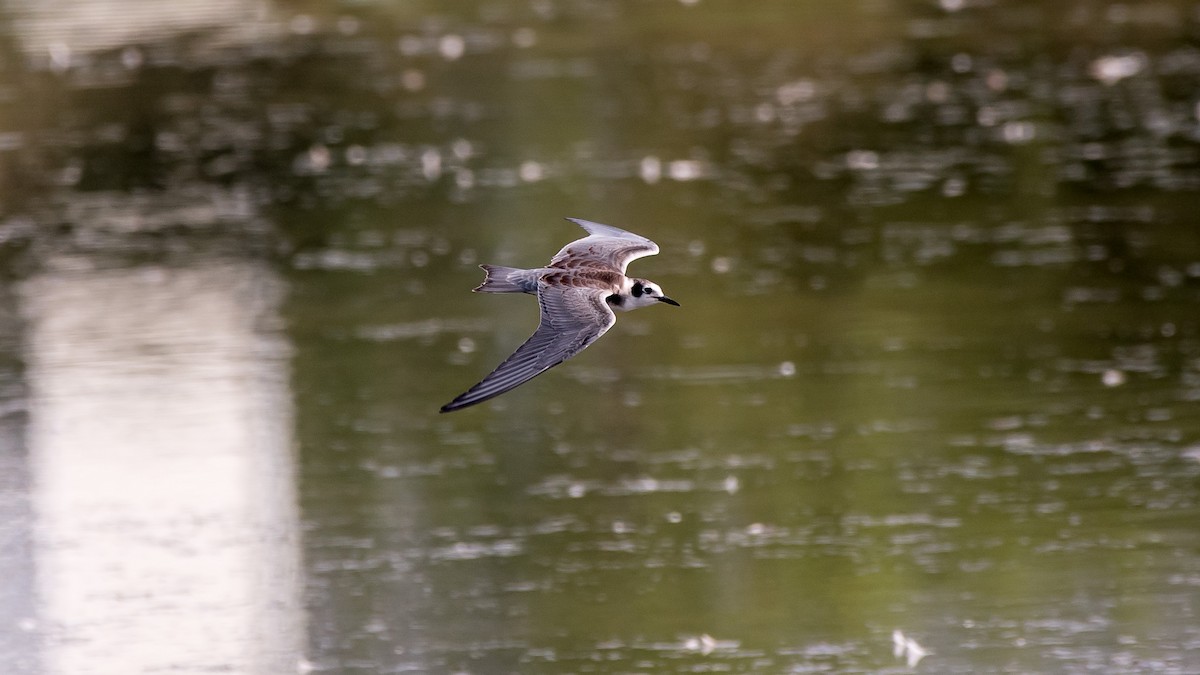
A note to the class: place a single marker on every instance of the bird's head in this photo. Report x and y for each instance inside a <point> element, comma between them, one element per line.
<point>643,293</point>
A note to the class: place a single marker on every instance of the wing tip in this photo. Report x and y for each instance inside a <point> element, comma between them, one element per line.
<point>592,227</point>
<point>463,400</point>
<point>455,405</point>
<point>580,222</point>
<point>602,230</point>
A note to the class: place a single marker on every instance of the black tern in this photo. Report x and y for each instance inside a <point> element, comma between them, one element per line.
<point>577,293</point>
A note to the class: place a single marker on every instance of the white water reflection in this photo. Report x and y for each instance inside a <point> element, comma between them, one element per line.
<point>162,470</point>
<point>18,653</point>
<point>67,31</point>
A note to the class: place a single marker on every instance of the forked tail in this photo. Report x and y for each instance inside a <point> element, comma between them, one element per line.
<point>508,280</point>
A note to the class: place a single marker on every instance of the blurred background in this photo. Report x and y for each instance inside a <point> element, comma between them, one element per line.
<point>932,390</point>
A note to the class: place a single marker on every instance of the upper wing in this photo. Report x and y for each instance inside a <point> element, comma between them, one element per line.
<point>605,245</point>
<point>572,319</point>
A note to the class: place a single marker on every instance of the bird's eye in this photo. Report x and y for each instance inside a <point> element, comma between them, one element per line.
<point>649,291</point>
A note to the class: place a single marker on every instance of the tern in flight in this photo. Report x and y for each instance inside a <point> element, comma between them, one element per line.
<point>577,293</point>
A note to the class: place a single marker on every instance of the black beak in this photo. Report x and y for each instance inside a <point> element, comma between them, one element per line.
<point>663,298</point>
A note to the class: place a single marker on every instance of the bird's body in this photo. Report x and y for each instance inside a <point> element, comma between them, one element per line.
<point>577,293</point>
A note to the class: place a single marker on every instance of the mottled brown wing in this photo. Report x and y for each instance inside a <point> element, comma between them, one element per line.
<point>605,246</point>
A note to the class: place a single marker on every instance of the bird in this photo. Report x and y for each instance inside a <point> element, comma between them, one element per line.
<point>577,293</point>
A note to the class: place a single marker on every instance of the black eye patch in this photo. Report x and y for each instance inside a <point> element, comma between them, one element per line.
<point>636,291</point>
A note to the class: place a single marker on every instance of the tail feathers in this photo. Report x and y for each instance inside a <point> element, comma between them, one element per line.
<point>507,280</point>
